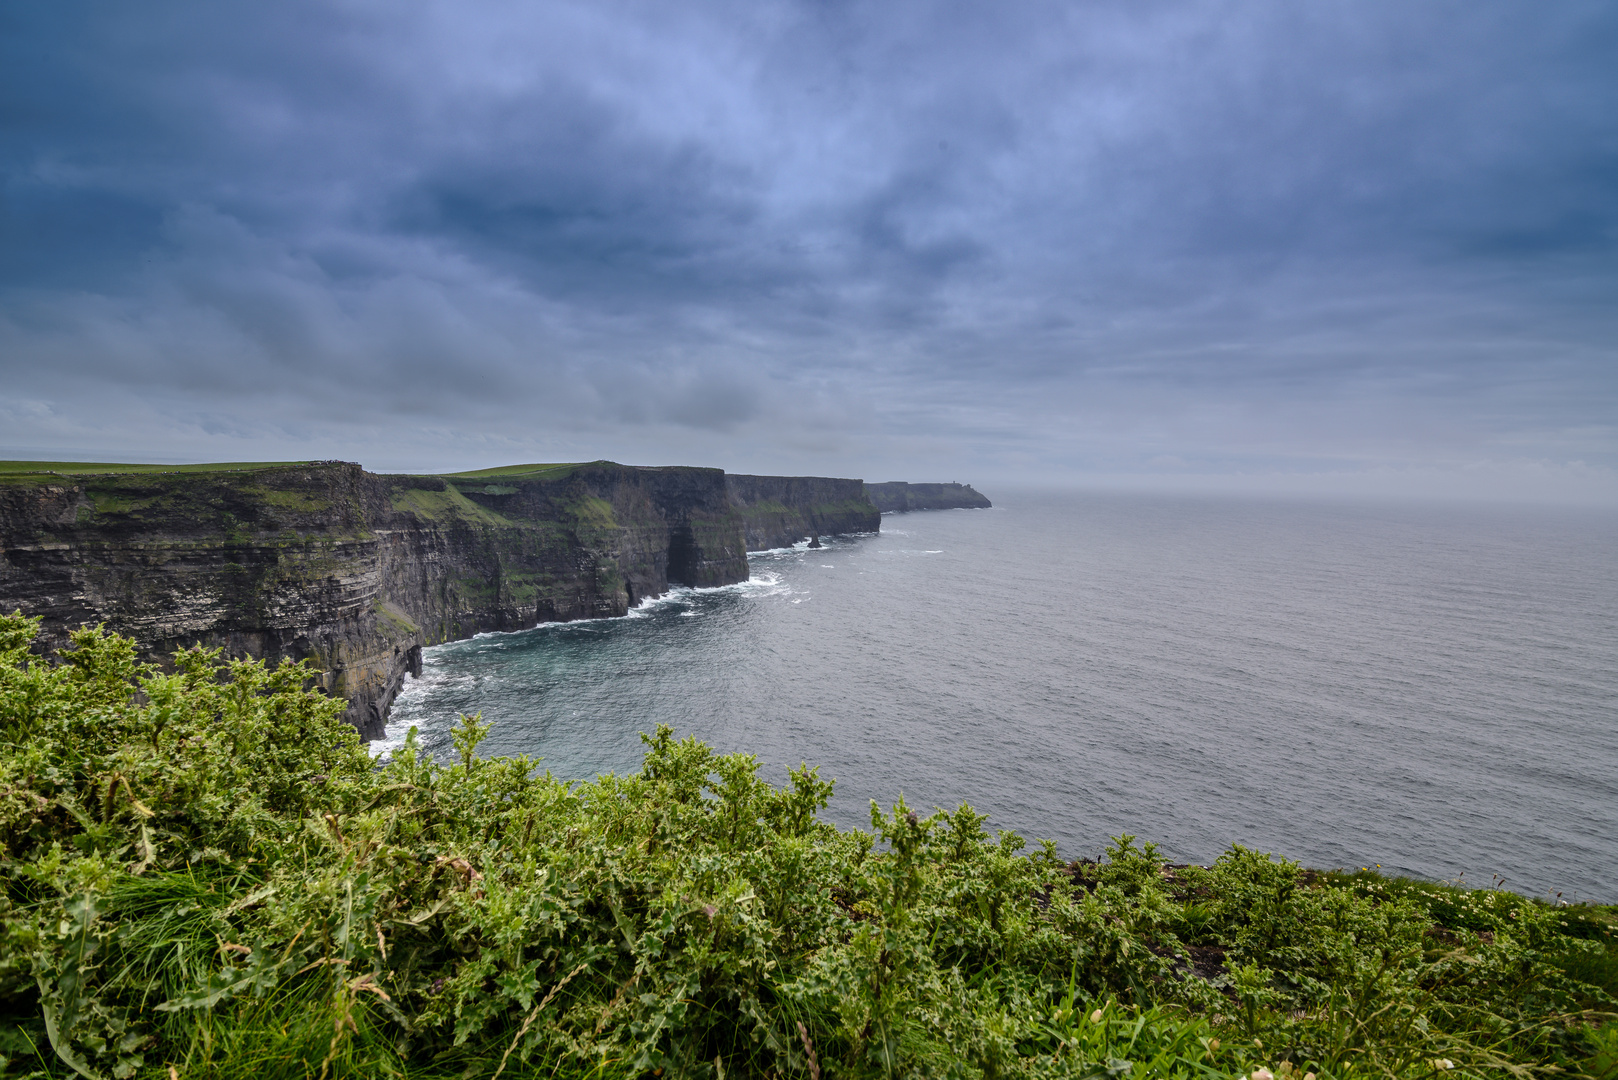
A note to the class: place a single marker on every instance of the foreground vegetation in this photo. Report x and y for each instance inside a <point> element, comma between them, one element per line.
<point>205,875</point>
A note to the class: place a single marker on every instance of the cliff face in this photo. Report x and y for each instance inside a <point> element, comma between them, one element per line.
<point>898,496</point>
<point>778,511</point>
<point>353,569</point>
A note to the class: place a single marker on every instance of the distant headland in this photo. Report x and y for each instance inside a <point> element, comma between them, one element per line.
<point>897,496</point>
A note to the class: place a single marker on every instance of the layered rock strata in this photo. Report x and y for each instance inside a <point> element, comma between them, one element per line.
<point>356,570</point>
<point>779,511</point>
<point>897,497</point>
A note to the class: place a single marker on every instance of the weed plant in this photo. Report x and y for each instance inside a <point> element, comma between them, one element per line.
<point>206,875</point>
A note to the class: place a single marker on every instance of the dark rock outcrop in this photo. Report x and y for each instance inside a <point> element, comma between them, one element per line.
<point>779,511</point>
<point>897,496</point>
<point>353,569</point>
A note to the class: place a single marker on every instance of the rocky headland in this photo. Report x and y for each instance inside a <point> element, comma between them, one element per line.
<point>358,571</point>
<point>778,511</point>
<point>897,497</point>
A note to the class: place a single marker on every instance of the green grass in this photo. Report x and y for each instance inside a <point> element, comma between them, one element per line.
<point>78,468</point>
<point>397,625</point>
<point>282,499</point>
<point>525,472</point>
<point>445,505</point>
<point>114,502</point>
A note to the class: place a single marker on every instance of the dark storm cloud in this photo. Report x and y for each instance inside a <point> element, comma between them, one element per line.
<point>1027,239</point>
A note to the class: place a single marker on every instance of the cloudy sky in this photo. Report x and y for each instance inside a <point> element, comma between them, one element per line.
<point>1332,247</point>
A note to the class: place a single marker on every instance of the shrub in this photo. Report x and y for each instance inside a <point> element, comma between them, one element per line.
<point>205,874</point>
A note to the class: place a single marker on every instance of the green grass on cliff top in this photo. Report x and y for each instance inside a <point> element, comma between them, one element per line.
<point>27,468</point>
<point>44,468</point>
<point>555,470</point>
<point>508,471</point>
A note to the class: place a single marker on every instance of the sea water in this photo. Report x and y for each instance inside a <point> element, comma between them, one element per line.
<point>1429,690</point>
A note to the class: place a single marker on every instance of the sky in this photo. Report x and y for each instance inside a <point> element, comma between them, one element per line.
<point>1326,248</point>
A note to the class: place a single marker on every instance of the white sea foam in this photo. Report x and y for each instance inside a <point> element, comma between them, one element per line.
<point>393,737</point>
<point>801,545</point>
<point>841,540</point>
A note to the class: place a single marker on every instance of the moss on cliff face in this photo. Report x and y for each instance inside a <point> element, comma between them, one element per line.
<point>295,500</point>
<point>104,502</point>
<point>395,622</point>
<point>442,504</point>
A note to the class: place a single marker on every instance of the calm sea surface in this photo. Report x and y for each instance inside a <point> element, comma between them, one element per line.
<point>1432,690</point>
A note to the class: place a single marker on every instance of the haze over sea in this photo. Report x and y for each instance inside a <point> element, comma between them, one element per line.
<point>1431,689</point>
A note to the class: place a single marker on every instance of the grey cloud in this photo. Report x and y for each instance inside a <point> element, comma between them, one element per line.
<point>1052,237</point>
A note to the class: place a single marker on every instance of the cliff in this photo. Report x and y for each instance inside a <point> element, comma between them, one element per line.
<point>354,569</point>
<point>778,511</point>
<point>897,496</point>
<point>359,571</point>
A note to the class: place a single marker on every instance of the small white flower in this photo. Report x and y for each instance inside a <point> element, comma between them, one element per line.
<point>1443,1063</point>
<point>1095,1017</point>
<point>1261,1073</point>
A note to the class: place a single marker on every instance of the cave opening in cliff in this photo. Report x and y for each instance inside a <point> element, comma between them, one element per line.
<point>682,556</point>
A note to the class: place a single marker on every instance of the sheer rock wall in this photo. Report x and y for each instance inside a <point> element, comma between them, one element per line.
<point>779,511</point>
<point>356,570</point>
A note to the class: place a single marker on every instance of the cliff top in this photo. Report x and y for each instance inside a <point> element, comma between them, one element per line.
<point>513,472</point>
<point>535,471</point>
<point>106,468</point>
<point>560,469</point>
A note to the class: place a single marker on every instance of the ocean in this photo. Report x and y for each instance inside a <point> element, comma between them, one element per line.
<point>1430,690</point>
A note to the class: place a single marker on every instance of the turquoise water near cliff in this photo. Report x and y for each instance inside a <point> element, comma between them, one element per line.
<point>1430,689</point>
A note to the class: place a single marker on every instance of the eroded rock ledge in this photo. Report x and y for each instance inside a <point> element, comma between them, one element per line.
<point>359,570</point>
